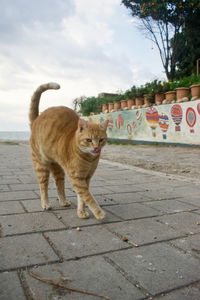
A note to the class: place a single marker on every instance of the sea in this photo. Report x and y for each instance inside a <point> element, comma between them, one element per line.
<point>14,135</point>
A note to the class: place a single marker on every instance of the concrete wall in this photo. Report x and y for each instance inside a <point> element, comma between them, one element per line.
<point>170,123</point>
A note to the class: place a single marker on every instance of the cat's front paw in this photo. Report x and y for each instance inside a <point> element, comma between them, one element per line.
<point>65,204</point>
<point>83,214</point>
<point>100,214</point>
<point>46,207</point>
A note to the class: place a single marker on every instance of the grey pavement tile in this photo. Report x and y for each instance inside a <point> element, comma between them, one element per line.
<point>143,231</point>
<point>100,190</point>
<point>184,222</point>
<point>35,205</point>
<point>54,193</point>
<point>4,188</point>
<point>12,180</point>
<point>29,222</point>
<point>18,195</point>
<point>25,250</point>
<point>126,188</point>
<point>24,187</point>
<point>159,194</point>
<point>170,206</point>
<point>132,211</point>
<point>10,207</point>
<point>10,287</point>
<point>70,218</point>
<point>190,244</point>
<point>125,198</point>
<point>189,293</point>
<point>88,241</point>
<point>159,267</point>
<point>92,274</point>
<point>194,200</point>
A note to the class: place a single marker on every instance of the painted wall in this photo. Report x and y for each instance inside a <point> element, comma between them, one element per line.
<point>170,123</point>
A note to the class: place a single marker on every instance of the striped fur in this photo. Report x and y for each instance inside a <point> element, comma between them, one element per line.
<point>61,141</point>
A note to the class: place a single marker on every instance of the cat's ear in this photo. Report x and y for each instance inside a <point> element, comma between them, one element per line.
<point>104,125</point>
<point>81,124</point>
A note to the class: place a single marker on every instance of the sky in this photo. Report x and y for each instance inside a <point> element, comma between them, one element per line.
<point>87,46</point>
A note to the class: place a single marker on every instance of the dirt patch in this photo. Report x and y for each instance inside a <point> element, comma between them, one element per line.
<point>184,161</point>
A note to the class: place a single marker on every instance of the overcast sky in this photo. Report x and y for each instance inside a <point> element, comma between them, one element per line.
<point>87,46</point>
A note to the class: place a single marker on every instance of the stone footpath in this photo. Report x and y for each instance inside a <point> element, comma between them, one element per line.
<point>147,247</point>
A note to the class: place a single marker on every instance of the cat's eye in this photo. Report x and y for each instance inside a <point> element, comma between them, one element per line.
<point>101,140</point>
<point>89,140</point>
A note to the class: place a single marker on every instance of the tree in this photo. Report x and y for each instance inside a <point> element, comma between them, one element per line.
<point>189,47</point>
<point>77,103</point>
<point>163,21</point>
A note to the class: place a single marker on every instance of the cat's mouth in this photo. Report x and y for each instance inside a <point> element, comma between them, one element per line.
<point>97,150</point>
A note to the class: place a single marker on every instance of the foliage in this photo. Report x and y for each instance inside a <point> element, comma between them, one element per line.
<point>162,22</point>
<point>94,104</point>
<point>189,48</point>
<point>185,82</point>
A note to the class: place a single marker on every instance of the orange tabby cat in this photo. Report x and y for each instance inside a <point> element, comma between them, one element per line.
<point>60,141</point>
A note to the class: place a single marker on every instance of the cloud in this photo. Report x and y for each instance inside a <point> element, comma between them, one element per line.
<point>87,46</point>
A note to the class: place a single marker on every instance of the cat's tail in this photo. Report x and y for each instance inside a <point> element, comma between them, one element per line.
<point>34,108</point>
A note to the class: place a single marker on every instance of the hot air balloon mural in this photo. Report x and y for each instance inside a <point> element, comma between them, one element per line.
<point>110,125</point>
<point>152,118</point>
<point>191,118</point>
<point>177,114</point>
<point>119,122</point>
<point>135,127</point>
<point>139,116</point>
<point>198,108</point>
<point>164,124</point>
<point>129,130</point>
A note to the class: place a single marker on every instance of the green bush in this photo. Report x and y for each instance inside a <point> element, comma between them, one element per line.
<point>94,104</point>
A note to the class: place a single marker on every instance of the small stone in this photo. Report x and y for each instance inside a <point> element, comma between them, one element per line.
<point>78,229</point>
<point>189,210</point>
<point>59,217</point>
<point>198,223</point>
<point>124,239</point>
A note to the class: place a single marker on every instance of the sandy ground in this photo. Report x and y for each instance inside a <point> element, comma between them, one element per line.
<point>184,161</point>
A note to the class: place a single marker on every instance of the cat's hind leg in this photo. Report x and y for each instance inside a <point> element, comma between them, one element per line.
<point>59,176</point>
<point>43,172</point>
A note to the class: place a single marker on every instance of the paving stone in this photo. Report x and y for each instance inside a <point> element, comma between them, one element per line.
<point>184,222</point>
<point>132,211</point>
<point>35,205</point>
<point>17,195</point>
<point>126,188</point>
<point>170,206</point>
<point>194,200</point>
<point>88,241</point>
<point>10,208</point>
<point>70,218</point>
<point>159,267</point>
<point>143,231</point>
<point>29,222</point>
<point>190,244</point>
<point>125,198</point>
<point>100,190</point>
<point>4,188</point>
<point>24,187</point>
<point>25,250</point>
<point>90,274</point>
<point>159,194</point>
<point>10,287</point>
<point>191,293</point>
<point>9,180</point>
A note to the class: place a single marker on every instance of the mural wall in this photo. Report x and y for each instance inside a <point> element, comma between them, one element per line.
<point>177,123</point>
